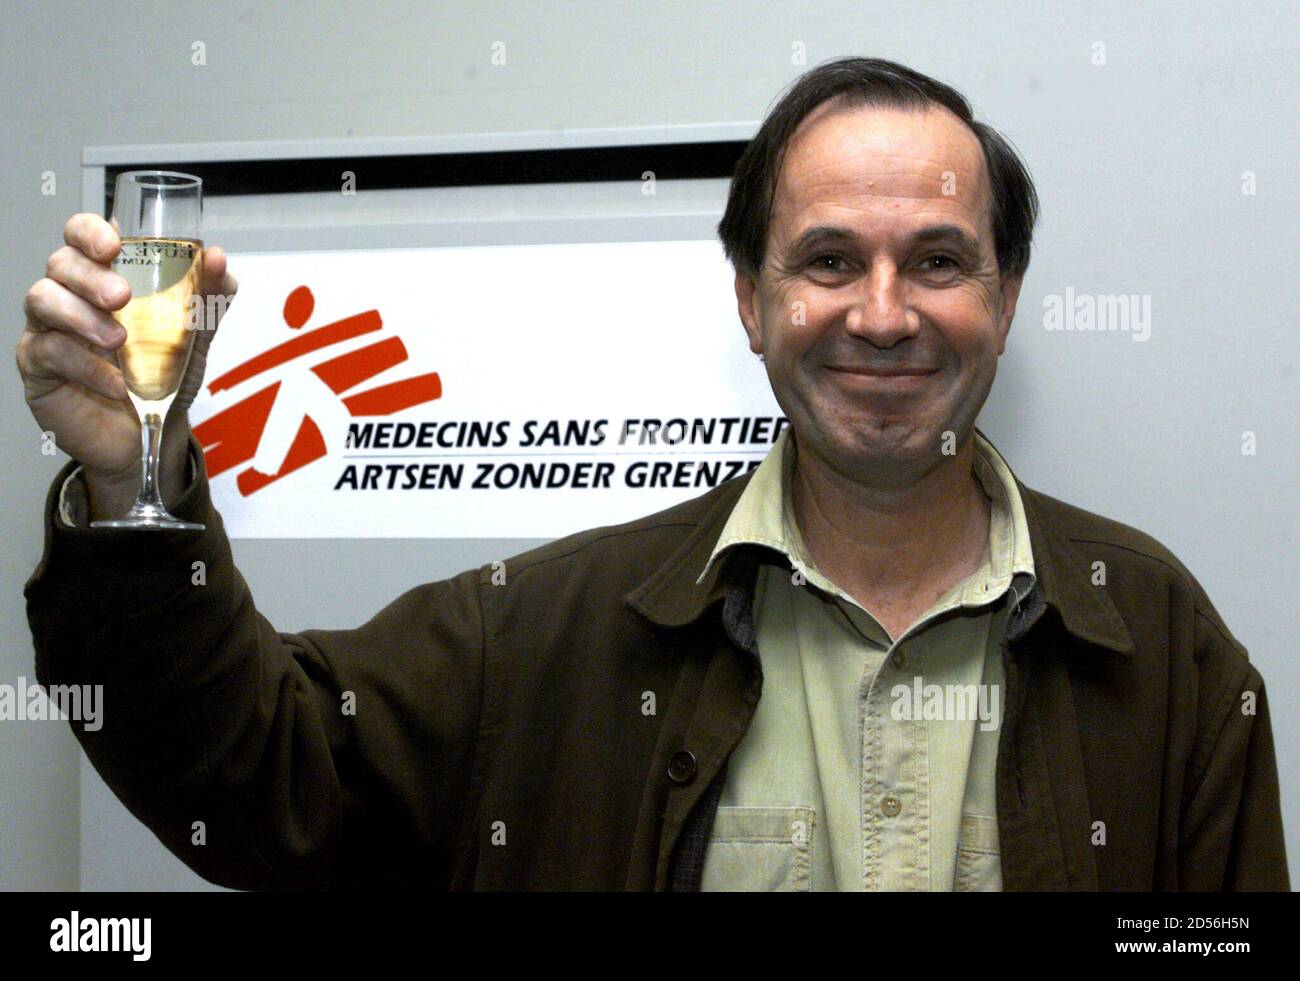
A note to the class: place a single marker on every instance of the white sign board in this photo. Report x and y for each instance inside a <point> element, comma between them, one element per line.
<point>479,392</point>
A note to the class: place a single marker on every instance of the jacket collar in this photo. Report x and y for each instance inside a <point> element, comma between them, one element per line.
<point>671,596</point>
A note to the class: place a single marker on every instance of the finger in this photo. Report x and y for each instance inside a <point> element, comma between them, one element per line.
<point>93,236</point>
<point>52,355</point>
<point>214,269</point>
<point>50,306</point>
<point>216,281</point>
<point>90,280</point>
<point>216,273</point>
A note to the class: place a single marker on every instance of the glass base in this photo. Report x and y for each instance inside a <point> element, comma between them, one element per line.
<point>149,517</point>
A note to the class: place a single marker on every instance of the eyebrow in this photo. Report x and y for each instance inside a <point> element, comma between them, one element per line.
<point>820,235</point>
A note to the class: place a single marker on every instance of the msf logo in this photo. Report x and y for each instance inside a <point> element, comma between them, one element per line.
<point>274,429</point>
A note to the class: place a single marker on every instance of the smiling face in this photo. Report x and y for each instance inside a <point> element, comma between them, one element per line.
<point>879,309</point>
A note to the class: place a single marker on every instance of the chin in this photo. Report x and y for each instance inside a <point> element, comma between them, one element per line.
<point>885,440</point>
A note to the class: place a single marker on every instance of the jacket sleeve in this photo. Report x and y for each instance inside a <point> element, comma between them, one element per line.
<point>326,759</point>
<point>1232,836</point>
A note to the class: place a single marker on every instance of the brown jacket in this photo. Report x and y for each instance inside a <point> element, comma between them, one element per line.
<point>488,735</point>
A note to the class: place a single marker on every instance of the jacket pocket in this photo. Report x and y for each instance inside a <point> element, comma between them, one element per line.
<point>979,856</point>
<point>760,849</point>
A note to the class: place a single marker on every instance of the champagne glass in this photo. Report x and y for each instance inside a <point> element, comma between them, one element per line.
<point>157,214</point>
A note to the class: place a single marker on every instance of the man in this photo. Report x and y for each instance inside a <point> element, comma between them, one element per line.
<point>877,662</point>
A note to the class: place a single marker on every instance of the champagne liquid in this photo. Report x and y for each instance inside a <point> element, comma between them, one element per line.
<point>160,318</point>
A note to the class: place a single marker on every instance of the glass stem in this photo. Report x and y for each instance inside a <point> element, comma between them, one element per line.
<point>150,444</point>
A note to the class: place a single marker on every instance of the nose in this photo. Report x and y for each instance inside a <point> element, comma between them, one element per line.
<point>881,314</point>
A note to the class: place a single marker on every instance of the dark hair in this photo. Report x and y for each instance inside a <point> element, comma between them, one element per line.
<point>870,82</point>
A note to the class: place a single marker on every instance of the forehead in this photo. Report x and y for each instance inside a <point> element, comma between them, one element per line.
<point>872,164</point>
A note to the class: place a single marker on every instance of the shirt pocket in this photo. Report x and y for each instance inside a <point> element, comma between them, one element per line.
<point>979,855</point>
<point>760,849</point>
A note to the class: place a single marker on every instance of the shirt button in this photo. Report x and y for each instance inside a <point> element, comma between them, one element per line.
<point>890,806</point>
<point>898,659</point>
<point>681,768</point>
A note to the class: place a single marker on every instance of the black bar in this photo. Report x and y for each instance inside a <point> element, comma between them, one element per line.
<point>668,161</point>
<point>929,933</point>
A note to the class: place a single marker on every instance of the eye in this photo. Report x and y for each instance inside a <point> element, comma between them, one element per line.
<point>953,264</point>
<point>833,257</point>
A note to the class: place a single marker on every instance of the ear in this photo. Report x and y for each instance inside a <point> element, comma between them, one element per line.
<point>746,291</point>
<point>1010,290</point>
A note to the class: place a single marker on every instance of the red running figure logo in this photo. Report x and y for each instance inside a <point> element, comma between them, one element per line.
<point>240,433</point>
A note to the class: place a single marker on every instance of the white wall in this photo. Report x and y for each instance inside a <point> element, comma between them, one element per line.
<point>1138,163</point>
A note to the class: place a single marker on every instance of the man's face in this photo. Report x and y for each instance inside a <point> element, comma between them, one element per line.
<point>882,331</point>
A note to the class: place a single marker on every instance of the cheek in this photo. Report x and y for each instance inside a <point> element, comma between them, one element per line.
<point>797,327</point>
<point>974,302</point>
<point>965,324</point>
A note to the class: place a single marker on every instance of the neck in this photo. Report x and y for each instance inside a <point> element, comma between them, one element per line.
<point>888,542</point>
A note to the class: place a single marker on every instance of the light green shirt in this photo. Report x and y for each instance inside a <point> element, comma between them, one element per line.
<point>855,774</point>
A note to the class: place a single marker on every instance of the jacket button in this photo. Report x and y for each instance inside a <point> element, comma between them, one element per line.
<point>681,768</point>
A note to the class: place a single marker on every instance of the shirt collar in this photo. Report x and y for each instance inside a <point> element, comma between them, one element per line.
<point>763,516</point>
<point>672,595</point>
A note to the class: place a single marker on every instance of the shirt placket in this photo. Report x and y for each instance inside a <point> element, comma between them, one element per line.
<point>895,776</point>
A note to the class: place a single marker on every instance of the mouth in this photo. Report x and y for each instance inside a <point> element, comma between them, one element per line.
<point>888,378</point>
<point>885,372</point>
